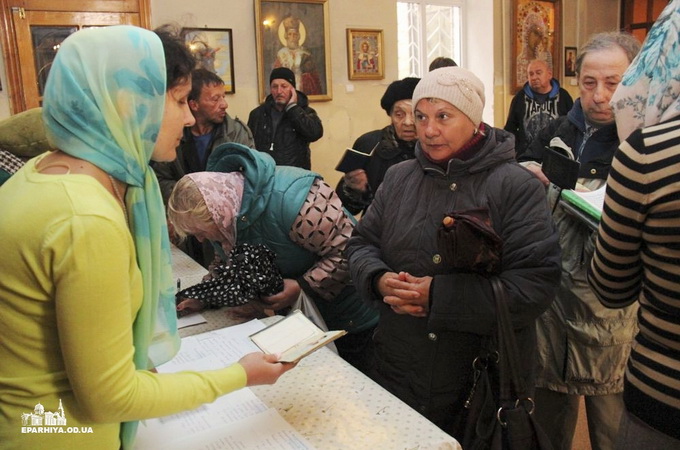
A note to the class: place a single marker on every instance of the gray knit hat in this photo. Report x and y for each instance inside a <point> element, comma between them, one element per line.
<point>456,85</point>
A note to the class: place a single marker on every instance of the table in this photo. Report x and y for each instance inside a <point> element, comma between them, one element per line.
<point>329,402</point>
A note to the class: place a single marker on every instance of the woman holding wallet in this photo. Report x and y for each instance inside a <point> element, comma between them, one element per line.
<point>436,311</point>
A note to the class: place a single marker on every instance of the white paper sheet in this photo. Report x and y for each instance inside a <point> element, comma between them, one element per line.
<point>190,320</point>
<point>236,420</point>
<point>265,430</point>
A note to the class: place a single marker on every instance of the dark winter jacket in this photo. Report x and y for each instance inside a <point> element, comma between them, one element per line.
<point>427,362</point>
<point>288,144</point>
<point>583,346</point>
<point>528,115</point>
<point>390,150</point>
<point>594,153</point>
<point>308,242</point>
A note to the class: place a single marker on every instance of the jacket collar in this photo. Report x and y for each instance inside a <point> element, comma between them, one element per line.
<point>499,147</point>
<point>554,90</point>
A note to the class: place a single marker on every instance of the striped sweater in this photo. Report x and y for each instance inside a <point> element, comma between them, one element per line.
<point>638,258</point>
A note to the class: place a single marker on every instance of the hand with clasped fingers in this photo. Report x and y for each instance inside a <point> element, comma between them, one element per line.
<point>263,369</point>
<point>405,293</point>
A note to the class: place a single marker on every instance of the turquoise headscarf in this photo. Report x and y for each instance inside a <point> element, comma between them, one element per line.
<point>104,103</point>
<point>649,91</point>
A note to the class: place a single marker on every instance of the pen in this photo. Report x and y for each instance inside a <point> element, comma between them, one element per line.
<point>179,284</point>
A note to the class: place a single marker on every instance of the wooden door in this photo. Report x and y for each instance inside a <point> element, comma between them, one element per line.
<point>39,35</point>
<point>32,31</point>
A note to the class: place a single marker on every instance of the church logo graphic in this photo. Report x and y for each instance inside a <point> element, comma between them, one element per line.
<point>41,421</point>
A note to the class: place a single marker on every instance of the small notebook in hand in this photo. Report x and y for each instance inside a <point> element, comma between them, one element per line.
<point>294,337</point>
<point>560,168</point>
<point>354,159</point>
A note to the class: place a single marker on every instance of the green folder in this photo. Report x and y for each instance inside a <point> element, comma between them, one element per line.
<point>584,202</point>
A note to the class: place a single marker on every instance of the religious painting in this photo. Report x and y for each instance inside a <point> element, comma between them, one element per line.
<point>294,34</point>
<point>570,61</point>
<point>536,36</point>
<point>365,59</point>
<point>213,49</point>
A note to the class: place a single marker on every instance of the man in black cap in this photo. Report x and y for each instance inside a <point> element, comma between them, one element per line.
<point>284,125</point>
<point>392,144</point>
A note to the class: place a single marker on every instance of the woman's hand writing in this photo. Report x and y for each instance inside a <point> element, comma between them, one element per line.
<point>188,306</point>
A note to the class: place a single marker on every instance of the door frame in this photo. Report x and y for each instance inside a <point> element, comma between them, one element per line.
<point>8,35</point>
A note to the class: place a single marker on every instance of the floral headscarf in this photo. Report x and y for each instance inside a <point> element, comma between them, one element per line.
<point>104,103</point>
<point>648,93</point>
<point>222,193</point>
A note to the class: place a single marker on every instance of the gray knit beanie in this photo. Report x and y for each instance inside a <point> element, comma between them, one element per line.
<point>456,85</point>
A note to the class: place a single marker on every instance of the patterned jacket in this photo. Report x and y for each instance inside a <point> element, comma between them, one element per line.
<point>583,346</point>
<point>298,216</point>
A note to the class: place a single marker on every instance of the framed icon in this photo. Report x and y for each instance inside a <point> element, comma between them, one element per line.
<point>294,34</point>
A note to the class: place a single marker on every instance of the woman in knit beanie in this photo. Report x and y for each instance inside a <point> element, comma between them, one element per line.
<point>430,284</point>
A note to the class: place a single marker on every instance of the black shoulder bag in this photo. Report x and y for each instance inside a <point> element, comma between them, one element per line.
<point>506,423</point>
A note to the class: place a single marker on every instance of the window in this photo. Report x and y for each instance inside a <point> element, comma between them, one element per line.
<point>638,16</point>
<point>428,29</point>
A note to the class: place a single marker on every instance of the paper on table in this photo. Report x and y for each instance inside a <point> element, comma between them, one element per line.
<point>214,349</point>
<point>190,320</point>
<point>228,409</point>
<point>235,420</point>
<point>265,430</point>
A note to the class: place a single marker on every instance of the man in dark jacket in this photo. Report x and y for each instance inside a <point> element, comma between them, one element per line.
<point>583,346</point>
<point>284,124</point>
<point>541,101</point>
<point>392,144</point>
<point>213,127</point>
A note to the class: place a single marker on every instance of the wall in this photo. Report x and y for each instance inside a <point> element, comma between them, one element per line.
<point>355,108</point>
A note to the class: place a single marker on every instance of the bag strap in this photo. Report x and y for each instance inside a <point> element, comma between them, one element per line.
<point>507,347</point>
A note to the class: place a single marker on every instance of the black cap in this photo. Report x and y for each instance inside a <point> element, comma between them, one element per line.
<point>398,90</point>
<point>283,73</point>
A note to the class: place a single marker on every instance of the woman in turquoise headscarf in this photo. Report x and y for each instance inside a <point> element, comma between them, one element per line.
<point>86,297</point>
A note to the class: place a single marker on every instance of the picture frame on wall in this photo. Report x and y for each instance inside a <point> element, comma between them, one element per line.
<point>294,34</point>
<point>365,59</point>
<point>535,36</point>
<point>570,61</point>
<point>213,49</point>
